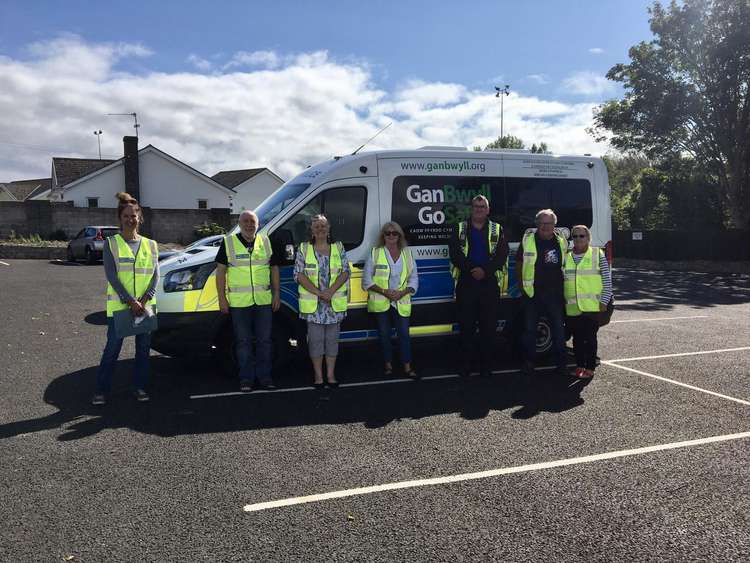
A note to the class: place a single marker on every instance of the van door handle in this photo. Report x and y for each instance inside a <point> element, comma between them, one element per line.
<point>359,265</point>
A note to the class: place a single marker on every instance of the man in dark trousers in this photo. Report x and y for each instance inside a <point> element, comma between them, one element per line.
<point>539,268</point>
<point>478,253</point>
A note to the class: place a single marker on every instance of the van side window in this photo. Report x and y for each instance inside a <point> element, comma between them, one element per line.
<point>345,208</point>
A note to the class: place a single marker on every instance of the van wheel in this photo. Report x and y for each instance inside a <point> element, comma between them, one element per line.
<point>543,337</point>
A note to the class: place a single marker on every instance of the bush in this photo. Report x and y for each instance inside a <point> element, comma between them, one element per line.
<point>59,234</point>
<point>206,229</point>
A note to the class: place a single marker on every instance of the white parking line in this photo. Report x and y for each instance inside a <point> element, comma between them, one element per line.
<point>649,320</point>
<point>358,384</point>
<point>693,387</point>
<point>256,507</point>
<point>680,354</point>
<point>4,263</point>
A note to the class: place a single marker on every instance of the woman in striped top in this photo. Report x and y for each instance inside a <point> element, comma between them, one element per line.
<point>584,326</point>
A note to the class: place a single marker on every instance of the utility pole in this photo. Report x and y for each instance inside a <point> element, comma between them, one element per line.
<point>501,92</point>
<point>99,142</point>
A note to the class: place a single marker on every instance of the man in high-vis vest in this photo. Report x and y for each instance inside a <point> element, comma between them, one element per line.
<point>247,284</point>
<point>539,269</point>
<point>478,251</point>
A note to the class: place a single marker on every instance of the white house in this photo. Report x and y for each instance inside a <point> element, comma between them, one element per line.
<point>159,180</point>
<point>252,185</point>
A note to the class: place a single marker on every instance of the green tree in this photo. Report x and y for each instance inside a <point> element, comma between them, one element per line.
<point>506,142</point>
<point>686,95</point>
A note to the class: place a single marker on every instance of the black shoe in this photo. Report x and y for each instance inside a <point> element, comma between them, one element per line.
<point>527,368</point>
<point>464,373</point>
<point>319,386</point>
<point>265,386</point>
<point>485,374</point>
<point>333,384</point>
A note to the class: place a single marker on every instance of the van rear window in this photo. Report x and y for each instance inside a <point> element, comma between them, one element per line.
<point>428,207</point>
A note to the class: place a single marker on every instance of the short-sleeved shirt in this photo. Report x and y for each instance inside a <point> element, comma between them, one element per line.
<point>324,314</point>
<point>221,256</point>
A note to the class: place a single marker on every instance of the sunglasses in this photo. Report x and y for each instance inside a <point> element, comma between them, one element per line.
<point>392,233</point>
<point>579,236</point>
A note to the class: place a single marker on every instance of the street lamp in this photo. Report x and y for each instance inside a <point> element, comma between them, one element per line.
<point>499,94</point>
<point>99,142</point>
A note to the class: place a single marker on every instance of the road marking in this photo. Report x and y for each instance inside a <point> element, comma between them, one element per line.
<point>693,387</point>
<point>360,383</point>
<point>658,319</point>
<point>4,263</point>
<point>699,353</point>
<point>256,507</point>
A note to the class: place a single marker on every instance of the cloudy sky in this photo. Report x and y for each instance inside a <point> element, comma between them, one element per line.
<point>242,84</point>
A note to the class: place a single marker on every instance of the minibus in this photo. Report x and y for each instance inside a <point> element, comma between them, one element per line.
<point>427,191</point>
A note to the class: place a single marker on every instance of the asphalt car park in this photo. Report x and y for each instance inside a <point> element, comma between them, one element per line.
<point>649,461</point>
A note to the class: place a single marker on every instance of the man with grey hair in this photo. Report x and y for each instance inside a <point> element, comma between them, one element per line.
<point>247,285</point>
<point>539,269</point>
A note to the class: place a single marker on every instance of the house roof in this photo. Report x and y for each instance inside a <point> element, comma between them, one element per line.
<point>148,148</point>
<point>233,178</point>
<point>22,189</point>
<point>68,170</point>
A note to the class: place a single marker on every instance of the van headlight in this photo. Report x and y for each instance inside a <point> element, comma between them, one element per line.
<point>188,279</point>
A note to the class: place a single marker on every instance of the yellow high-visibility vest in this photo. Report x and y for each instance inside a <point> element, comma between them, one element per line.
<point>134,272</point>
<point>528,249</point>
<point>583,285</point>
<point>308,302</point>
<point>377,302</point>
<point>248,272</point>
<point>494,232</point>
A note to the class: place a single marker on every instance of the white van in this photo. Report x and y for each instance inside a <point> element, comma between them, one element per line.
<point>427,191</point>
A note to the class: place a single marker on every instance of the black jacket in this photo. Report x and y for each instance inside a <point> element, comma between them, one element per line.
<point>464,264</point>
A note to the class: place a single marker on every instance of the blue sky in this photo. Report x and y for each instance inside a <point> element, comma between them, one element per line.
<point>412,62</point>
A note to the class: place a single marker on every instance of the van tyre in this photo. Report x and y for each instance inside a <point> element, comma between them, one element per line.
<point>543,337</point>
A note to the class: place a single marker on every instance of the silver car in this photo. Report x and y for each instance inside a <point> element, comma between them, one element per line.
<point>89,243</point>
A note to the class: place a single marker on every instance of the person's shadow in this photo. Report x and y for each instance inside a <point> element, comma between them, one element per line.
<point>172,411</point>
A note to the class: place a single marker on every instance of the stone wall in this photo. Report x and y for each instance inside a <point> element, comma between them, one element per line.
<point>44,218</point>
<point>32,252</point>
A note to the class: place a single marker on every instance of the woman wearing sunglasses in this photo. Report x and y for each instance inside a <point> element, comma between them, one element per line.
<point>390,278</point>
<point>588,290</point>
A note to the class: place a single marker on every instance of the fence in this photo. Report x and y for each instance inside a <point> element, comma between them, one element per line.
<point>682,245</point>
<point>44,218</point>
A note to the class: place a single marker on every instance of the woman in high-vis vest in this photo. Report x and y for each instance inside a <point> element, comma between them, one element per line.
<point>322,272</point>
<point>131,265</point>
<point>588,289</point>
<point>390,279</point>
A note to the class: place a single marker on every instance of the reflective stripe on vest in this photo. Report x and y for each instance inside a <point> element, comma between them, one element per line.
<point>134,272</point>
<point>377,302</point>
<point>528,243</point>
<point>583,285</point>
<point>308,302</point>
<point>248,273</point>
<point>494,232</point>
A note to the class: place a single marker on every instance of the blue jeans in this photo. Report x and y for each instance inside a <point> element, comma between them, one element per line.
<point>386,320</point>
<point>248,323</point>
<point>550,306</point>
<point>112,352</point>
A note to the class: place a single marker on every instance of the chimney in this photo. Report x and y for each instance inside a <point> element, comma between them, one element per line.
<point>132,176</point>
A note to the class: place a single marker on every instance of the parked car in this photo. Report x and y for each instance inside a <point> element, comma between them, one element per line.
<point>213,240</point>
<point>89,243</point>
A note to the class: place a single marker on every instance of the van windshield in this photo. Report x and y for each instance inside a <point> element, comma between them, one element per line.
<point>279,200</point>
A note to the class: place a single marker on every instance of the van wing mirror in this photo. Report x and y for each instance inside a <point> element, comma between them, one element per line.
<point>284,242</point>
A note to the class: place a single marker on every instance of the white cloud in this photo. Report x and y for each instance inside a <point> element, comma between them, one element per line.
<point>596,50</point>
<point>587,83</point>
<point>538,78</point>
<point>304,110</point>
<point>199,62</point>
<point>266,59</point>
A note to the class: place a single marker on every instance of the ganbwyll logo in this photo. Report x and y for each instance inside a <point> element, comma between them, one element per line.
<point>431,214</point>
